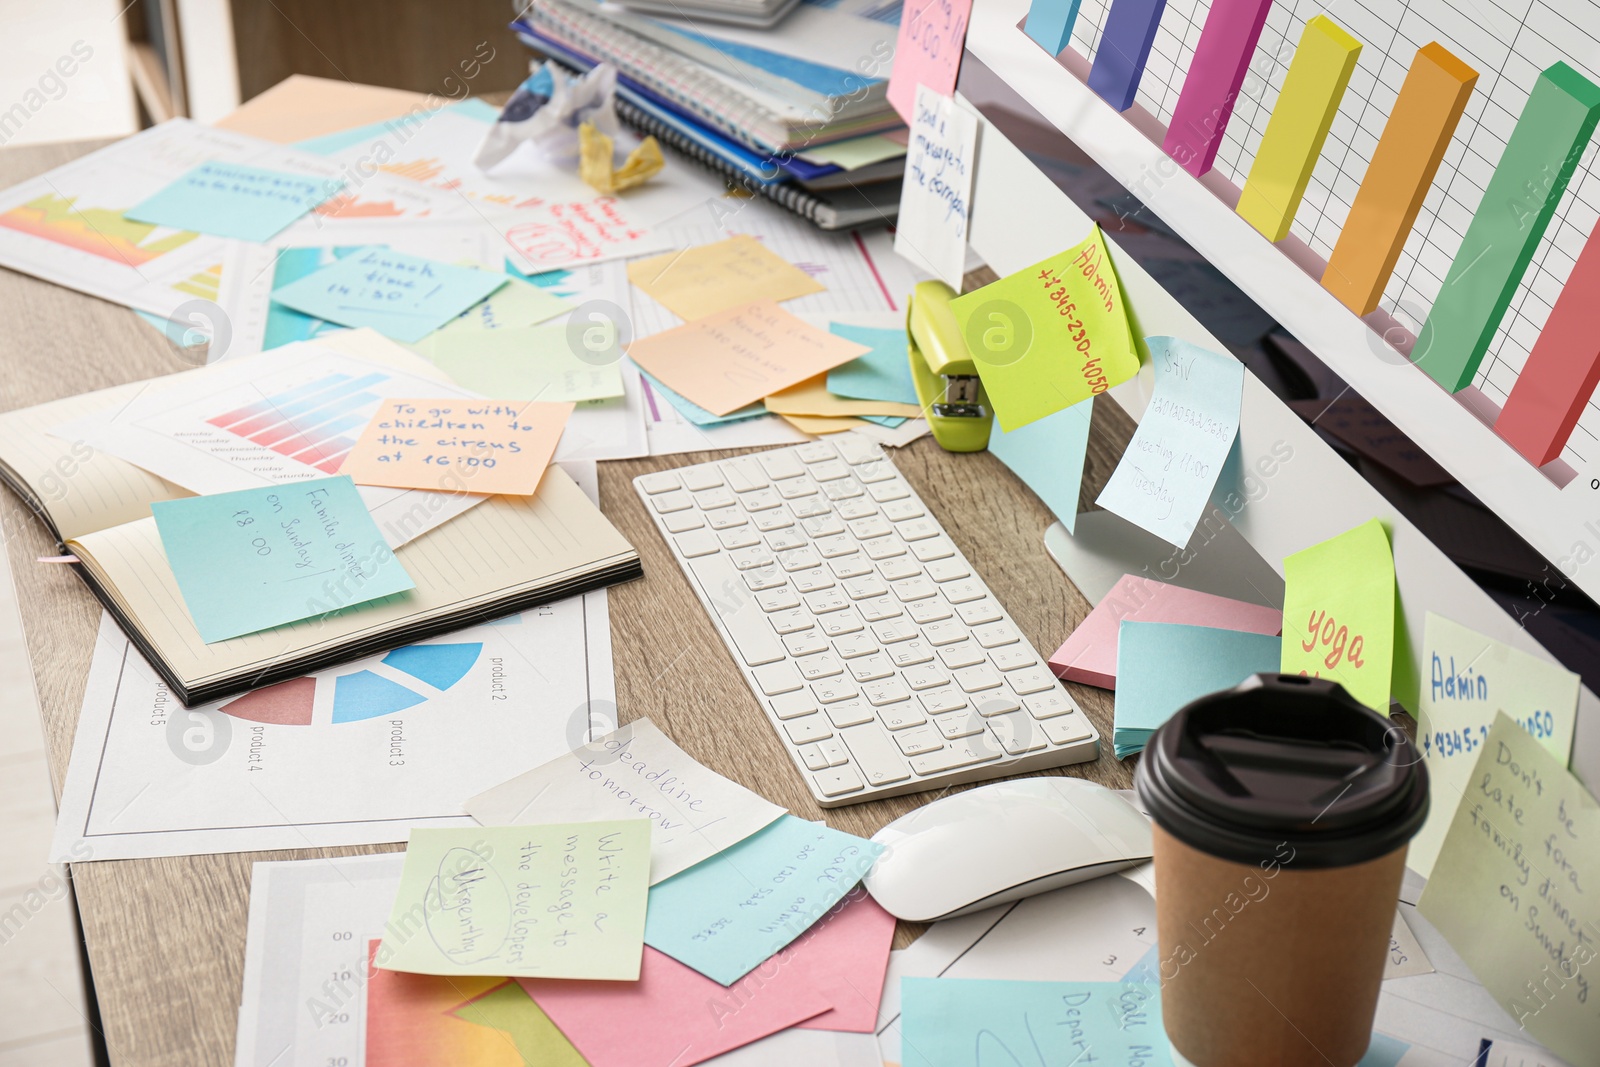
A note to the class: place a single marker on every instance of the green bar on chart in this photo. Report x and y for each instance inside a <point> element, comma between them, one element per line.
<point>1523,194</point>
<point>1306,105</point>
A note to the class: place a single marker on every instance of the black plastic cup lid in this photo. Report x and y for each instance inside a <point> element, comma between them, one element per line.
<point>1281,759</point>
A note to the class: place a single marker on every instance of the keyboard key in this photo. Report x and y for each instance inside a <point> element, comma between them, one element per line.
<point>876,472</point>
<point>1009,659</point>
<point>834,752</point>
<point>725,518</point>
<point>839,782</point>
<point>852,510</point>
<point>775,678</point>
<point>659,482</point>
<point>853,448</point>
<point>918,740</point>
<point>739,614</point>
<point>963,591</point>
<point>812,580</point>
<point>883,548</point>
<point>683,521</point>
<point>868,528</point>
<point>961,655</point>
<point>777,599</point>
<point>743,474</point>
<point>748,559</point>
<point>931,610</point>
<point>978,612</point>
<point>995,702</point>
<point>925,676</point>
<point>767,521</point>
<point>977,679</point>
<point>1017,733</point>
<point>883,492</point>
<point>995,634</point>
<point>877,757</point>
<point>826,601</point>
<point>879,608</point>
<point>848,489</point>
<point>760,500</point>
<point>909,589</point>
<point>850,713</point>
<point>954,726</point>
<point>1032,680</point>
<point>811,755</point>
<point>815,451</point>
<point>809,507</point>
<point>948,570</point>
<point>790,622</point>
<point>760,578</point>
<point>784,540</point>
<point>792,705</point>
<point>901,510</point>
<point>839,623</point>
<point>823,665</point>
<point>805,642</point>
<point>852,645</point>
<point>739,537</point>
<point>703,477</point>
<point>887,691</point>
<point>835,546</point>
<point>947,632</point>
<point>720,497</point>
<point>812,728</point>
<point>918,529</point>
<point>933,548</point>
<point>698,543</point>
<point>851,566</point>
<point>780,463</point>
<point>672,500</point>
<point>979,748</point>
<point>901,716</point>
<point>863,588</point>
<point>799,559</point>
<point>900,567</point>
<point>835,690</point>
<point>824,525</point>
<point>1066,729</point>
<point>940,701</point>
<point>910,653</point>
<point>829,470</point>
<point>1048,705</point>
<point>795,488</point>
<point>871,668</point>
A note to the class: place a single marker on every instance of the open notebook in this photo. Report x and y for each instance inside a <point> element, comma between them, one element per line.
<point>500,556</point>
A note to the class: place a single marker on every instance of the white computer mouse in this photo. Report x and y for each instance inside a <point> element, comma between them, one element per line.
<point>1003,842</point>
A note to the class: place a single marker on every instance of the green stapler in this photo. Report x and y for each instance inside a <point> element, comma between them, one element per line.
<point>948,388</point>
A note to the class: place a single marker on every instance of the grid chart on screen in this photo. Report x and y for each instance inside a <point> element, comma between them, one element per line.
<point>1508,42</point>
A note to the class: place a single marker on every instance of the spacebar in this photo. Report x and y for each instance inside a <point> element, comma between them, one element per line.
<point>737,608</point>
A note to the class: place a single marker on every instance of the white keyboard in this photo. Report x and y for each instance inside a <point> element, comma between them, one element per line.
<point>880,657</point>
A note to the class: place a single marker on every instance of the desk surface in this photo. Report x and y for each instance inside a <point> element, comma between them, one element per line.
<point>166,936</point>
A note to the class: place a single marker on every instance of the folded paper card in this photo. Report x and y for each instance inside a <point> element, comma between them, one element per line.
<point>1513,889</point>
<point>936,193</point>
<point>234,200</point>
<point>1050,335</point>
<point>1047,454</point>
<point>736,357</point>
<point>491,446</point>
<point>525,363</point>
<point>927,51</point>
<point>1090,654</point>
<point>257,558</point>
<point>958,1022</point>
<point>811,397</point>
<point>883,373</point>
<point>636,773</point>
<point>558,900</point>
<point>1339,613</point>
<point>701,281</point>
<point>401,296</point>
<point>726,915</point>
<point>1467,678</point>
<point>1164,480</point>
<point>1163,666</point>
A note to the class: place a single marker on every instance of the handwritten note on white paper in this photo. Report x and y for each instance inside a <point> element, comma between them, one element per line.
<point>936,196</point>
<point>635,773</point>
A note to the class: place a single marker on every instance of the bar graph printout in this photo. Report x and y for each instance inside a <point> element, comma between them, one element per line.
<point>1509,43</point>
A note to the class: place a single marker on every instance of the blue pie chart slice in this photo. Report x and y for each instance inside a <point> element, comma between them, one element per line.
<point>365,695</point>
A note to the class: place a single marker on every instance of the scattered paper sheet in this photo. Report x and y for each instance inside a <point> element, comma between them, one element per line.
<point>636,772</point>
<point>936,193</point>
<point>811,397</point>
<point>821,425</point>
<point>257,558</point>
<point>1163,666</point>
<point>493,446</point>
<point>704,280</point>
<point>1467,679</point>
<point>1047,454</point>
<point>1406,956</point>
<point>1339,613</point>
<point>736,357</point>
<point>949,1022</point>
<point>1090,654</point>
<point>523,363</point>
<point>855,153</point>
<point>234,200</point>
<point>726,915</point>
<point>883,373</point>
<point>927,51</point>
<point>401,296</point>
<point>559,900</point>
<point>1050,335</point>
<point>1511,889</point>
<point>1164,480</point>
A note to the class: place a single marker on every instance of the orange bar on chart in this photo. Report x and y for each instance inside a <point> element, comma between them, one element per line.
<point>1563,368</point>
<point>1414,140</point>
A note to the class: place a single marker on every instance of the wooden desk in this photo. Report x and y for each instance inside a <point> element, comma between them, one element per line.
<point>166,936</point>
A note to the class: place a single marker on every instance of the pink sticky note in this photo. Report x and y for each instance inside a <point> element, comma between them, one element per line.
<point>674,1014</point>
<point>928,50</point>
<point>1090,654</point>
<point>847,951</point>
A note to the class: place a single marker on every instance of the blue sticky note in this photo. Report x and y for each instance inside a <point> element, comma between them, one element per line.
<point>959,1022</point>
<point>726,915</point>
<point>1385,1051</point>
<point>1164,480</point>
<point>258,558</point>
<point>400,296</point>
<point>1162,666</point>
<point>1047,454</point>
<point>697,414</point>
<point>1049,23</point>
<point>233,200</point>
<point>882,374</point>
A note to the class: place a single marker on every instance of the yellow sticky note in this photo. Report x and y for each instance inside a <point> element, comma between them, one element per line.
<point>493,446</point>
<point>819,425</point>
<point>1466,679</point>
<point>736,357</point>
<point>552,363</point>
<point>1514,890</point>
<point>811,397</point>
<point>1050,336</point>
<point>704,280</point>
<point>1338,613</point>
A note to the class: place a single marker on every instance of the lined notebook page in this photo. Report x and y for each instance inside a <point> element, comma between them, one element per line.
<point>502,546</point>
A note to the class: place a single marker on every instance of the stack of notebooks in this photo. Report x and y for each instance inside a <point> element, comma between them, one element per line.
<point>769,109</point>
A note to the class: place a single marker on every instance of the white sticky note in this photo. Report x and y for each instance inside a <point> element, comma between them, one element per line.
<point>936,196</point>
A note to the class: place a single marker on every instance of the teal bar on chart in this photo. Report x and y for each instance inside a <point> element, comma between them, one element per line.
<point>1049,23</point>
<point>1543,151</point>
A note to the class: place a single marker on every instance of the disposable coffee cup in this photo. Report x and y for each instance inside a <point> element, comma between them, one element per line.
<point>1282,810</point>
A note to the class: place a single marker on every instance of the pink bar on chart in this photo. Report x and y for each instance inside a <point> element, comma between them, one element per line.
<point>1563,368</point>
<point>1216,74</point>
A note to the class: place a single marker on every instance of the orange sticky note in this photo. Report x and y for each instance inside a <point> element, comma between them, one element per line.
<point>704,280</point>
<point>457,445</point>
<point>736,357</point>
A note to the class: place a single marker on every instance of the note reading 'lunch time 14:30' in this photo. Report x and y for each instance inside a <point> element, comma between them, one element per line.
<point>1514,890</point>
<point>401,296</point>
<point>1051,335</point>
<point>491,446</point>
<point>560,900</point>
<point>1339,613</point>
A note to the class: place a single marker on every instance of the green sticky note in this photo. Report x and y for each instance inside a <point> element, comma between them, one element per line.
<point>563,900</point>
<point>525,363</point>
<point>1339,613</point>
<point>1467,678</point>
<point>516,304</point>
<point>1049,336</point>
<point>1514,889</point>
<point>257,558</point>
